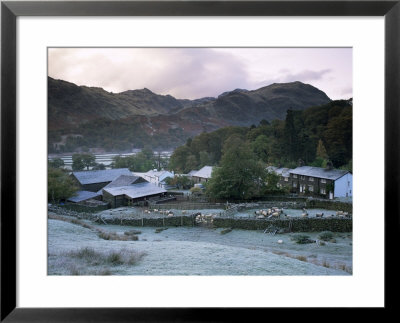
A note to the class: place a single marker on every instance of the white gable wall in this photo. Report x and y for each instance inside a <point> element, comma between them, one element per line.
<point>344,186</point>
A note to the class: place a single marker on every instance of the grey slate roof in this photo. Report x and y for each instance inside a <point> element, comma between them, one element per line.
<point>332,174</point>
<point>135,190</point>
<point>123,180</point>
<point>192,172</point>
<point>205,172</point>
<point>283,171</point>
<point>100,176</point>
<point>82,196</point>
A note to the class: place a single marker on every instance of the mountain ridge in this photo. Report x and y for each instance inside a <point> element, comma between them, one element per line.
<point>71,108</point>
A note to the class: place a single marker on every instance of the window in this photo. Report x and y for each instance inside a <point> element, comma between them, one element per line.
<point>294,184</point>
<point>322,191</point>
<point>302,177</point>
<point>311,179</point>
<point>323,180</point>
<point>294,176</point>
<point>311,188</point>
<point>286,179</point>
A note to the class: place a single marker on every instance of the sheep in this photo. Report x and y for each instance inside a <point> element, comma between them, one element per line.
<point>264,212</point>
<point>275,214</point>
<point>319,215</point>
<point>304,214</point>
<point>170,214</point>
<point>260,217</point>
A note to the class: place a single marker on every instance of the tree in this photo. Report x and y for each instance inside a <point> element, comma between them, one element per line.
<point>77,162</point>
<point>191,163</point>
<point>80,161</point>
<point>56,163</point>
<point>261,148</point>
<point>321,151</point>
<point>178,159</point>
<point>240,175</point>
<point>99,166</point>
<point>148,152</point>
<point>204,159</point>
<point>60,185</point>
<point>182,182</point>
<point>88,160</point>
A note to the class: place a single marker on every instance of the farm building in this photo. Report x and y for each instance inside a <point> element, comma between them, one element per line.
<point>202,175</point>
<point>190,174</point>
<point>82,196</point>
<point>324,182</point>
<point>127,190</point>
<point>95,180</point>
<point>157,177</point>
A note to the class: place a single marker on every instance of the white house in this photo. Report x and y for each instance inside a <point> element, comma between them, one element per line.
<point>157,177</point>
<point>320,181</point>
<point>344,186</point>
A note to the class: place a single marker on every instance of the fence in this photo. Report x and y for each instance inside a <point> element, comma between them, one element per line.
<point>188,206</point>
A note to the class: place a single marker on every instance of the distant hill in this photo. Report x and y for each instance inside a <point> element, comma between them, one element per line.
<point>121,121</point>
<point>70,105</point>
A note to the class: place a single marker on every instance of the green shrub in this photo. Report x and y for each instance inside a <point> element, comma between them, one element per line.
<point>325,236</point>
<point>301,238</point>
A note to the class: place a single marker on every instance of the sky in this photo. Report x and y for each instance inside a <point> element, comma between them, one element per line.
<point>192,73</point>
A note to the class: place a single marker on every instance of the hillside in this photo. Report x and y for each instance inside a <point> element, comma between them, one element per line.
<point>70,105</point>
<point>121,121</point>
<point>314,136</point>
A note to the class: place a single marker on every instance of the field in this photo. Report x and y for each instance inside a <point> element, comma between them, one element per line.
<point>74,249</point>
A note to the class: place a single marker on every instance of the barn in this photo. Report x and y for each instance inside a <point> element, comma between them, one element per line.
<point>128,190</point>
<point>95,180</point>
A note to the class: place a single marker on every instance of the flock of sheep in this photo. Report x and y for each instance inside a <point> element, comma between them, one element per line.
<point>273,212</point>
<point>276,212</point>
<point>160,211</point>
<point>205,218</point>
<point>269,213</point>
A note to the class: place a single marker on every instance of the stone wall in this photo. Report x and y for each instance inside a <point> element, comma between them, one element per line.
<point>84,208</point>
<point>292,225</point>
<point>329,205</point>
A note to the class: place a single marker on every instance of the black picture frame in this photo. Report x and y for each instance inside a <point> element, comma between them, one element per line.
<point>10,10</point>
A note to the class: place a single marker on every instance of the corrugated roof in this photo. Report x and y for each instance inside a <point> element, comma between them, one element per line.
<point>123,180</point>
<point>332,174</point>
<point>136,190</point>
<point>100,176</point>
<point>82,196</point>
<point>205,172</point>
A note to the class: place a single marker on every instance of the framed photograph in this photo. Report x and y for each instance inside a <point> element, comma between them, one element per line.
<point>184,160</point>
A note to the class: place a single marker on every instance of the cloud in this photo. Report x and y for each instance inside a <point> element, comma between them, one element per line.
<point>197,72</point>
<point>181,72</point>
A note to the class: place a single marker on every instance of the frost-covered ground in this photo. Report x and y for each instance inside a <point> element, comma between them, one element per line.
<point>76,250</point>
